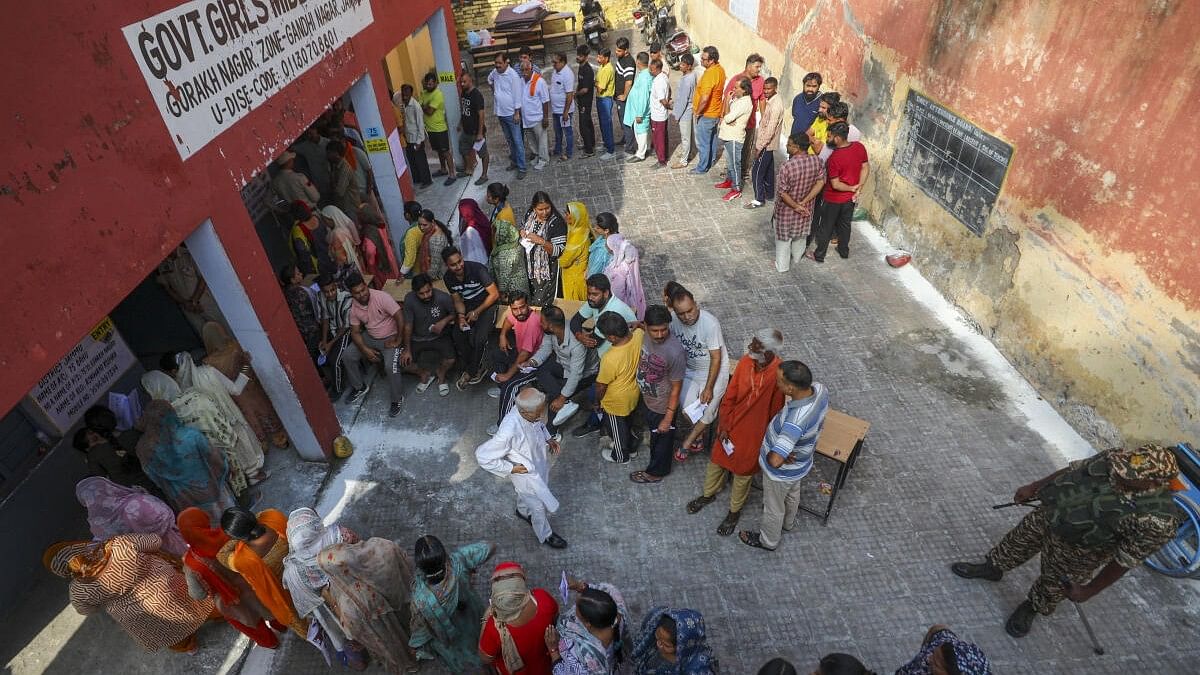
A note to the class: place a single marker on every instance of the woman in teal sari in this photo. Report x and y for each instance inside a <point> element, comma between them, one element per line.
<point>446,611</point>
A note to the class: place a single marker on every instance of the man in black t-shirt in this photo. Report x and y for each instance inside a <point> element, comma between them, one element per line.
<point>585,85</point>
<point>473,128</point>
<point>476,301</point>
<point>625,72</point>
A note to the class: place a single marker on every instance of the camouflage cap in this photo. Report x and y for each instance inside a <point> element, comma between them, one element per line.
<point>1149,462</point>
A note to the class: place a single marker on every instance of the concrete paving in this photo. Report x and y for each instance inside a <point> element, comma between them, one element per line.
<point>954,430</point>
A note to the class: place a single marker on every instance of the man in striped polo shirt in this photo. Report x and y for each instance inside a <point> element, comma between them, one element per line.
<point>786,453</point>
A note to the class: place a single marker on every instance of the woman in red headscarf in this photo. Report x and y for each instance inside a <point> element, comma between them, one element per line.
<point>206,578</point>
<point>474,232</point>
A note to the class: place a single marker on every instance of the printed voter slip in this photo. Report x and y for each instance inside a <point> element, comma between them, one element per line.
<point>478,145</point>
<point>527,369</point>
<point>695,411</point>
<point>728,445</point>
<point>564,588</point>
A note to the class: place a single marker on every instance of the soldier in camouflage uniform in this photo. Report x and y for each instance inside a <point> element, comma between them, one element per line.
<point>1113,509</point>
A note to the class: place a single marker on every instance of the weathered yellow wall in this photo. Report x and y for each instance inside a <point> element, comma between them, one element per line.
<point>1089,317</point>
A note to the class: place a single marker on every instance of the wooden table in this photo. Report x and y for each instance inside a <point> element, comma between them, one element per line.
<point>842,439</point>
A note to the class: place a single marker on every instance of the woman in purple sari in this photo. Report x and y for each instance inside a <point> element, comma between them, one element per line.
<point>625,273</point>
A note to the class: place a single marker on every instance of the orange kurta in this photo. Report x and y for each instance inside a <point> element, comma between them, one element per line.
<point>750,401</point>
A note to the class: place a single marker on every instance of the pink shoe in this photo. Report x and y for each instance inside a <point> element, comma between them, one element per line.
<point>731,195</point>
<point>724,185</point>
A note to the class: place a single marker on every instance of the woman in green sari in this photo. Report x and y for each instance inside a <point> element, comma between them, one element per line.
<point>508,257</point>
<point>446,611</point>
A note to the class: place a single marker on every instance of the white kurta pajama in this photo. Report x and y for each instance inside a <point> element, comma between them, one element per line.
<point>519,441</point>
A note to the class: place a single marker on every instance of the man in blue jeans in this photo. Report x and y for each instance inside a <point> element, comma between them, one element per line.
<point>605,87</point>
<point>506,86</point>
<point>708,107</point>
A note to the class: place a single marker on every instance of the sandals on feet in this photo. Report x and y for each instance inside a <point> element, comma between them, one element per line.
<point>681,455</point>
<point>698,503</point>
<point>726,527</point>
<point>696,447</point>
<point>643,477</point>
<point>424,385</point>
<point>752,539</point>
<point>443,389</point>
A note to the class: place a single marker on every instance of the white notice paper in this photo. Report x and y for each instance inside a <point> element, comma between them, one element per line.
<point>208,64</point>
<point>695,411</point>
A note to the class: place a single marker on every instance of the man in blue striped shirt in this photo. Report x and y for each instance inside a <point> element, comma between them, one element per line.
<point>786,453</point>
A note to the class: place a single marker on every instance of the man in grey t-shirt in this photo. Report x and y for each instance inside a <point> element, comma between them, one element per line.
<point>681,109</point>
<point>660,377</point>
<point>428,314</point>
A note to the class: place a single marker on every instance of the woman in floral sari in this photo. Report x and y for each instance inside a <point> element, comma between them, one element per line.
<point>228,357</point>
<point>115,509</point>
<point>304,580</point>
<point>221,390</point>
<point>446,611</point>
<point>574,260</point>
<point>370,584</point>
<point>673,642</point>
<point>180,461</point>
<point>196,410</point>
<point>592,638</point>
<point>435,236</point>
<point>508,257</point>
<point>543,236</point>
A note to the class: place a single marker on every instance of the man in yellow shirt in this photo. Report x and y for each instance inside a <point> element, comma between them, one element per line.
<point>433,104</point>
<point>820,127</point>
<point>412,238</point>
<point>706,106</point>
<point>606,86</point>
<point>616,384</point>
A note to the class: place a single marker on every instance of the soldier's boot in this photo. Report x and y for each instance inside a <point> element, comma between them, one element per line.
<point>1021,620</point>
<point>984,570</point>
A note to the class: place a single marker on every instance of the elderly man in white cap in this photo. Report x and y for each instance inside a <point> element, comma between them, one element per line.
<point>520,450</point>
<point>291,186</point>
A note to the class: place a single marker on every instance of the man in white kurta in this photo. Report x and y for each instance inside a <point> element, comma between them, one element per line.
<point>520,451</point>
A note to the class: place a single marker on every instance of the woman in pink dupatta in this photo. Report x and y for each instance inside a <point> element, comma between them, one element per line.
<point>379,257</point>
<point>625,273</point>
<point>115,509</point>
<point>474,232</point>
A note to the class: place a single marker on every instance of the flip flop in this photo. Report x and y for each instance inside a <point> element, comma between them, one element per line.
<point>443,389</point>
<point>424,385</point>
<point>696,447</point>
<point>681,455</point>
<point>643,477</point>
<point>752,539</point>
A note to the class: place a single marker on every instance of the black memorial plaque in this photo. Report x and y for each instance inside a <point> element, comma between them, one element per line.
<point>956,163</point>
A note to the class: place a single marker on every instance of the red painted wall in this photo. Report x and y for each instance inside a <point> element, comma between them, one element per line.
<point>94,194</point>
<point>1079,88</point>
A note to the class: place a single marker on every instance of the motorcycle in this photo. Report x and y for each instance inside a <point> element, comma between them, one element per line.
<point>664,23</point>
<point>644,18</point>
<point>595,24</point>
<point>677,45</point>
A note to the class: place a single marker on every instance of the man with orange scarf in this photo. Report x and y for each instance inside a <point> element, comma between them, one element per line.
<point>206,578</point>
<point>256,548</point>
<point>535,113</point>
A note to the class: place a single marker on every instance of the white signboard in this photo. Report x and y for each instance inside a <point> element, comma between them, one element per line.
<point>83,376</point>
<point>208,63</point>
<point>745,11</point>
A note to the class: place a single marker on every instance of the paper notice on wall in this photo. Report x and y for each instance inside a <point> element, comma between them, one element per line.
<point>397,150</point>
<point>83,376</point>
<point>208,63</point>
<point>745,11</point>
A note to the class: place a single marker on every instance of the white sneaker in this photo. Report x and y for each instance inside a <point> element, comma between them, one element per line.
<point>565,412</point>
<point>608,457</point>
<point>494,392</point>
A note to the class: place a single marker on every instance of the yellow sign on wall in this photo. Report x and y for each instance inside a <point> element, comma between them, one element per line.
<point>446,78</point>
<point>376,144</point>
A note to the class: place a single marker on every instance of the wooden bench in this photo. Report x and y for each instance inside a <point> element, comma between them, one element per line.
<point>842,439</point>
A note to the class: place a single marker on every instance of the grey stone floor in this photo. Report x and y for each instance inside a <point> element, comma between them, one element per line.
<point>946,443</point>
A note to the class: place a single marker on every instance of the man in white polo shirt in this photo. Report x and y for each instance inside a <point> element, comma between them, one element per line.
<point>506,87</point>
<point>535,112</point>
<point>562,104</point>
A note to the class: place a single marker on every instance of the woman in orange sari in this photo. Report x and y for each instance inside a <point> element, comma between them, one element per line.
<point>255,550</point>
<point>135,583</point>
<point>206,578</point>
<point>226,355</point>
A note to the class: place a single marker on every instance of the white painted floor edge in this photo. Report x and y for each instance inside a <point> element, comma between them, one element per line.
<point>1042,417</point>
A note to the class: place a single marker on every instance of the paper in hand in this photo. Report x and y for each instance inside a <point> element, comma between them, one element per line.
<point>695,411</point>
<point>728,445</point>
<point>563,588</point>
<point>478,145</point>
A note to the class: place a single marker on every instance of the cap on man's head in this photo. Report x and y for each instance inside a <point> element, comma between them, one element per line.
<point>1149,462</point>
